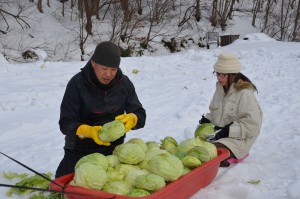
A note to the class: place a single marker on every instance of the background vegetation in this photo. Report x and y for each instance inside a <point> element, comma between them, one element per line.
<point>70,29</point>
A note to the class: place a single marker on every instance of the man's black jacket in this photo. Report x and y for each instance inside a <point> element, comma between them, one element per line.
<point>87,101</point>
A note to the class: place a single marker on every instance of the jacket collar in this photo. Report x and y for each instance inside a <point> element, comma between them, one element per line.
<point>240,85</point>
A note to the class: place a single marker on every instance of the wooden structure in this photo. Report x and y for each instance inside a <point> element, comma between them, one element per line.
<point>228,39</point>
<point>212,38</point>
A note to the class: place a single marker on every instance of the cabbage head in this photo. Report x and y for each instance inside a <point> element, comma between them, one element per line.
<point>199,152</point>
<point>114,175</point>
<point>150,182</point>
<point>169,144</point>
<point>211,148</point>
<point>203,129</point>
<point>90,175</point>
<point>129,153</point>
<point>136,192</point>
<point>152,144</point>
<point>188,144</point>
<point>186,170</point>
<point>191,162</point>
<point>117,187</point>
<point>95,158</point>
<point>165,165</point>
<point>151,152</point>
<point>112,131</point>
<point>112,160</point>
<point>139,142</point>
<point>125,168</point>
<point>133,174</point>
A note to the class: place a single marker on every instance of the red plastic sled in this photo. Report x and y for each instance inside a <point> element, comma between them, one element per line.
<point>183,188</point>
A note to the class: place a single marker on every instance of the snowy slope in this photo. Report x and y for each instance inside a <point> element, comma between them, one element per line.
<point>175,90</point>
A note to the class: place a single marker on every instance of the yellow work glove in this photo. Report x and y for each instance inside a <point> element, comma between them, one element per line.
<point>129,120</point>
<point>86,131</point>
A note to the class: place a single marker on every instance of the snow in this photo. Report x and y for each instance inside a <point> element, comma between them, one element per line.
<point>175,90</point>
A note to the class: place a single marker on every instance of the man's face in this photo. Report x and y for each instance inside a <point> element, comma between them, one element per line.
<point>103,73</point>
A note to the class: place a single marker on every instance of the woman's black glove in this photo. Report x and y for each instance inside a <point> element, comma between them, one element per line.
<point>221,132</point>
<point>204,120</point>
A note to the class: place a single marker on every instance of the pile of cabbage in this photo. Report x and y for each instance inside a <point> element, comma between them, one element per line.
<point>137,168</point>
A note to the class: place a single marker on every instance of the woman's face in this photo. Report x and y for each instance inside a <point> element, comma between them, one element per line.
<point>222,78</point>
<point>104,74</point>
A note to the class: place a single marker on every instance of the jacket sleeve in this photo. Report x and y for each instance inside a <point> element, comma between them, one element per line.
<point>133,105</point>
<point>69,110</point>
<point>249,118</point>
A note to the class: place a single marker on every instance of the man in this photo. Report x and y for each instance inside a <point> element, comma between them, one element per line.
<point>98,94</point>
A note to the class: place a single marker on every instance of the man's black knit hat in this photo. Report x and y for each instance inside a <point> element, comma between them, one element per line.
<point>107,54</point>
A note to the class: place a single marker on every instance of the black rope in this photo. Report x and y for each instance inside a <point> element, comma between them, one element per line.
<point>49,190</point>
<point>32,170</point>
<point>40,189</point>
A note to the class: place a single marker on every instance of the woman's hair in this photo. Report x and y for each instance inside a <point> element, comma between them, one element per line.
<point>235,77</point>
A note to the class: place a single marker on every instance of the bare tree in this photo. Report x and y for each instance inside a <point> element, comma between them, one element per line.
<point>140,9</point>
<point>18,17</point>
<point>257,6</point>
<point>88,13</point>
<point>157,20</point>
<point>213,18</point>
<point>278,18</point>
<point>296,29</point>
<point>268,12</point>
<point>125,8</point>
<point>198,11</point>
<point>83,35</point>
<point>221,12</point>
<point>40,6</point>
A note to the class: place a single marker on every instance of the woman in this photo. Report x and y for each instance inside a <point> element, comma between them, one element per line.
<point>234,110</point>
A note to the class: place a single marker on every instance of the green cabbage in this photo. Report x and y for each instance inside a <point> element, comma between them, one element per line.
<point>169,144</point>
<point>151,152</point>
<point>186,170</point>
<point>211,148</point>
<point>133,174</point>
<point>165,165</point>
<point>114,175</point>
<point>152,144</point>
<point>150,182</point>
<point>139,142</point>
<point>188,144</point>
<point>129,153</point>
<point>117,187</point>
<point>191,162</point>
<point>136,192</point>
<point>125,168</point>
<point>112,131</point>
<point>179,154</point>
<point>90,175</point>
<point>199,152</point>
<point>203,129</point>
<point>112,160</point>
<point>95,158</point>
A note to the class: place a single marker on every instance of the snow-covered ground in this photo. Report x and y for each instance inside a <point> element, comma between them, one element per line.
<point>175,90</point>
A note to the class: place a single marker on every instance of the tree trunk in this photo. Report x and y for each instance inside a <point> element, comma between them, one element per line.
<point>88,14</point>
<point>231,9</point>
<point>140,9</point>
<point>255,10</point>
<point>125,8</point>
<point>198,11</point>
<point>296,25</point>
<point>213,18</point>
<point>40,6</point>
<point>268,10</point>
<point>63,9</point>
<point>95,8</point>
